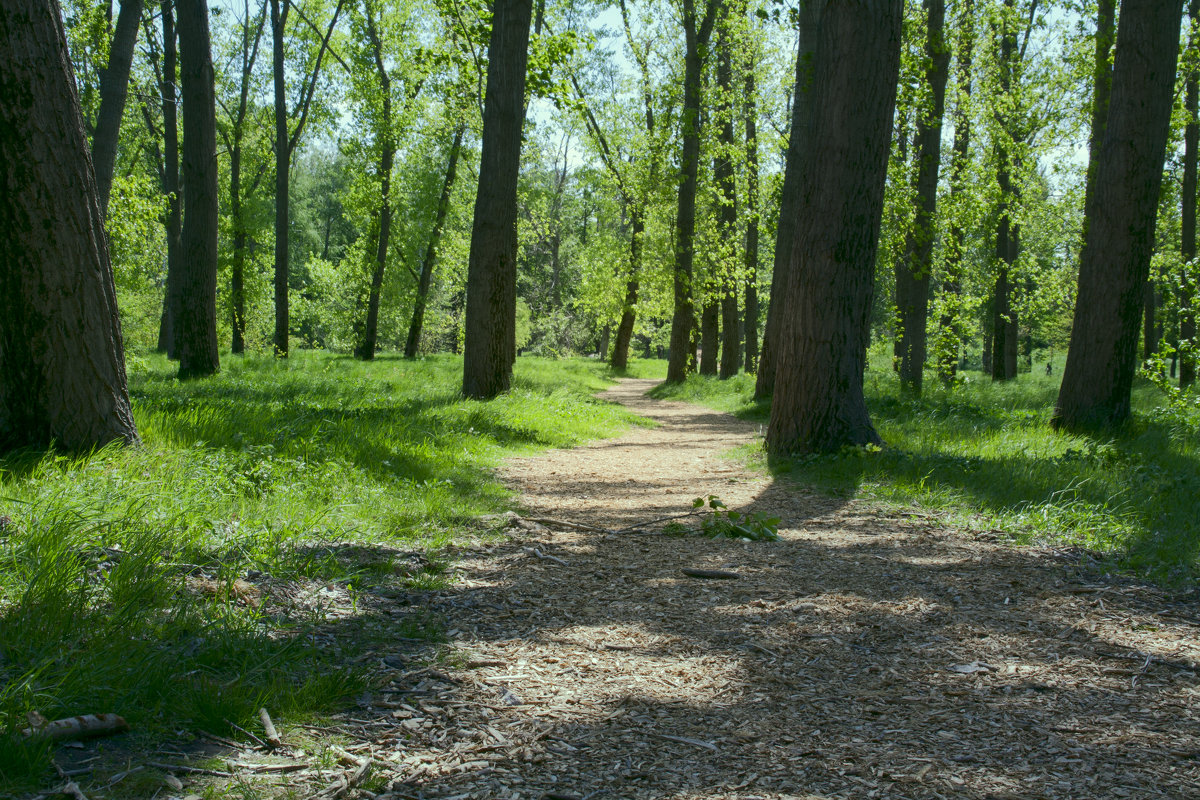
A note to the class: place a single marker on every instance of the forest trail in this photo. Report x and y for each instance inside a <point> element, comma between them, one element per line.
<point>866,654</point>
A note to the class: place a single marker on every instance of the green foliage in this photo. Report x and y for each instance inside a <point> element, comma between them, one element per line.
<point>721,523</point>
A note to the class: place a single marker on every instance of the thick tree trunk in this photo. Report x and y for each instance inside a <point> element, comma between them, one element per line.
<point>789,200</point>
<point>620,352</point>
<point>950,325</point>
<point>750,320</point>
<point>413,344</point>
<point>710,336</point>
<point>114,86</point>
<point>283,163</point>
<point>819,404</point>
<point>1115,261</point>
<point>731,351</point>
<point>62,366</point>
<point>196,325</point>
<point>490,345</point>
<point>173,220</point>
<point>913,281</point>
<point>1187,288</point>
<point>1106,15</point>
<point>683,319</point>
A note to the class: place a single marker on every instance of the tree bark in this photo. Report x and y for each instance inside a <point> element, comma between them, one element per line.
<point>799,142</point>
<point>1115,261</point>
<point>1106,15</point>
<point>1007,243</point>
<point>1187,288</point>
<point>114,86</point>
<point>173,220</point>
<point>819,404</point>
<point>413,344</point>
<point>196,325</point>
<point>62,366</point>
<point>696,36</point>
<point>710,336</point>
<point>750,320</point>
<point>283,163</point>
<point>620,351</point>
<point>731,351</point>
<point>912,289</point>
<point>490,345</point>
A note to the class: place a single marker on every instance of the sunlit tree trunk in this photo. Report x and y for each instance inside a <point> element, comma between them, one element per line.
<point>731,352</point>
<point>114,87</point>
<point>750,321</point>
<point>173,219</point>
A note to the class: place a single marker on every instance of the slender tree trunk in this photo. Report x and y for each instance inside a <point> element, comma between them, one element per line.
<point>413,345</point>
<point>283,163</point>
<point>914,312</point>
<point>196,331</point>
<point>1151,331</point>
<point>114,86</point>
<point>237,268</point>
<point>1004,319</point>
<point>387,156</point>
<point>819,404</point>
<point>173,220</point>
<point>683,320</point>
<point>490,346</point>
<point>620,352</point>
<point>799,142</point>
<point>1115,261</point>
<point>62,365</point>
<point>731,351</point>
<point>751,289</point>
<point>950,324</point>
<point>1187,289</point>
<point>710,336</point>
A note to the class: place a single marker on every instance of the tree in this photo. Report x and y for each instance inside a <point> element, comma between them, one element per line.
<point>114,85</point>
<point>731,356</point>
<point>1191,137</point>
<point>62,365</point>
<point>818,404</point>
<point>696,36</point>
<point>752,215</point>
<point>1115,261</point>
<point>169,179</point>
<point>195,328</point>
<point>489,348</point>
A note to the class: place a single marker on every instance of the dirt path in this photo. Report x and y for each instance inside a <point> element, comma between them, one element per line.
<point>867,654</point>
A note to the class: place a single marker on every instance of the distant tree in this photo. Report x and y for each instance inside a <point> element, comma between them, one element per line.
<point>820,354</point>
<point>195,328</point>
<point>169,178</point>
<point>114,86</point>
<point>489,348</point>
<point>723,174</point>
<point>1191,137</point>
<point>62,366</point>
<point>1115,261</point>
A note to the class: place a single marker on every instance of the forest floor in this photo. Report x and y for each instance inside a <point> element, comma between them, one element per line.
<point>871,652</point>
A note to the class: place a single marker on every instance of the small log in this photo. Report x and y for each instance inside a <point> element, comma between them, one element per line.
<point>271,735</point>
<point>716,574</point>
<point>85,726</point>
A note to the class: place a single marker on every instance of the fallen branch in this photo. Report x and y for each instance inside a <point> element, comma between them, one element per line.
<point>655,521</point>
<point>85,726</point>
<point>716,574</point>
<point>533,551</point>
<point>686,740</point>
<point>191,770</point>
<point>564,524</point>
<point>271,735</point>
<point>71,789</point>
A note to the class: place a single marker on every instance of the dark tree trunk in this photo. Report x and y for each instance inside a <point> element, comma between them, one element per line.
<point>413,345</point>
<point>750,322</point>
<point>114,86</point>
<point>62,366</point>
<point>696,38</point>
<point>1151,332</point>
<point>620,352</point>
<point>950,324</point>
<point>819,404</point>
<point>387,156</point>
<point>1106,15</point>
<point>1115,261</point>
<point>913,281</point>
<point>731,351</point>
<point>173,220</point>
<point>799,140</point>
<point>283,163</point>
<point>1007,244</point>
<point>1187,289</point>
<point>710,336</point>
<point>490,345</point>
<point>196,325</point>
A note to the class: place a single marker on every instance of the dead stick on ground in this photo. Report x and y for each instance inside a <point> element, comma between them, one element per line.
<point>563,523</point>
<point>71,789</point>
<point>272,735</point>
<point>533,551</point>
<point>191,770</point>
<point>653,521</point>
<point>717,574</point>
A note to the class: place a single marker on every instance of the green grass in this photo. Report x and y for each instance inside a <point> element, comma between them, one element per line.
<point>985,454</point>
<point>268,468</point>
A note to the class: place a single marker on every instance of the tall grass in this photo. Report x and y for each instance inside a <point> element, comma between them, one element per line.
<point>265,469</point>
<point>984,453</point>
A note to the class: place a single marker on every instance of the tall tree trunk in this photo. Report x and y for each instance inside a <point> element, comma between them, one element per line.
<point>1187,288</point>
<point>1106,29</point>
<point>196,332</point>
<point>1115,261</point>
<point>237,267</point>
<point>620,352</point>
<point>62,365</point>
<point>114,86</point>
<point>283,163</point>
<point>1151,330</point>
<point>1004,319</point>
<point>731,351</point>
<point>490,345</point>
<point>173,219</point>
<point>750,321</point>
<point>913,282</point>
<point>710,336</point>
<point>413,344</point>
<point>799,142</point>
<point>950,324</point>
<point>819,404</point>
<point>696,36</point>
<point>387,156</point>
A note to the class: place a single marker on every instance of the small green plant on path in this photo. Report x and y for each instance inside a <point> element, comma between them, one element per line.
<point>723,523</point>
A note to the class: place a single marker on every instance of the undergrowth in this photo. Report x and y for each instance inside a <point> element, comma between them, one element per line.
<point>268,469</point>
<point>984,454</point>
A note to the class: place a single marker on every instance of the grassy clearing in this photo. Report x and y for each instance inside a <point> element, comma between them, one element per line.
<point>261,474</point>
<point>985,454</point>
